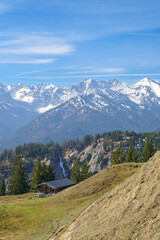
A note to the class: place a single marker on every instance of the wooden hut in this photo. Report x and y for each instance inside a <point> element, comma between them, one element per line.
<point>54,186</point>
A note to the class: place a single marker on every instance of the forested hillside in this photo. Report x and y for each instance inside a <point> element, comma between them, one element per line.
<point>99,151</point>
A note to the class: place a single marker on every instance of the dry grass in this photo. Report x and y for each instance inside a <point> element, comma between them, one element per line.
<point>22,217</point>
<point>130,211</point>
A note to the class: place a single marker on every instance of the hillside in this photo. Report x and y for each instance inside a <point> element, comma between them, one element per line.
<point>96,150</point>
<point>24,217</point>
<point>129,211</point>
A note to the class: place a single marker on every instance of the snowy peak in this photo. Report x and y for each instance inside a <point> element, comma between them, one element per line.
<point>145,82</point>
<point>154,86</point>
<point>44,97</point>
<point>90,83</point>
<point>86,85</point>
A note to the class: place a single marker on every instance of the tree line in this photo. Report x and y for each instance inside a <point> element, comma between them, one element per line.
<point>18,180</point>
<point>78,173</point>
<point>30,151</point>
<point>132,155</point>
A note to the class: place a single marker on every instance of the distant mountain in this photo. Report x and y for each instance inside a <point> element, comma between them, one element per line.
<point>44,97</point>
<point>13,114</point>
<point>88,107</point>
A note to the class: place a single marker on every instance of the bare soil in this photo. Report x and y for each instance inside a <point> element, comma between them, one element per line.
<point>131,211</point>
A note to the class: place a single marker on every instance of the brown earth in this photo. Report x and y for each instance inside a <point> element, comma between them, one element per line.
<point>131,211</point>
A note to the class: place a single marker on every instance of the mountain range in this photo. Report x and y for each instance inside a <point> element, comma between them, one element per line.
<point>47,112</point>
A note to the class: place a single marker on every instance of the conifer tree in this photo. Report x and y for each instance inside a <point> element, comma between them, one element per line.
<point>85,173</point>
<point>135,156</point>
<point>2,187</point>
<point>148,150</point>
<point>18,183</point>
<point>118,156</point>
<point>129,154</point>
<point>44,173</point>
<point>41,173</point>
<point>36,175</point>
<point>51,174</point>
<point>75,173</point>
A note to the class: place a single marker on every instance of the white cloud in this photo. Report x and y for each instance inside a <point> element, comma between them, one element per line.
<point>111,70</point>
<point>22,48</point>
<point>101,70</point>
<point>42,44</point>
<point>54,49</point>
<point>29,61</point>
<point>90,76</point>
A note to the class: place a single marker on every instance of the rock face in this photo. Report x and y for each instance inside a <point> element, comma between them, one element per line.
<point>94,153</point>
<point>130,211</point>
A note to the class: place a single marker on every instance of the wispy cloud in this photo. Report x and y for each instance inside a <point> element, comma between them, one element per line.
<point>54,69</point>
<point>28,61</point>
<point>89,76</point>
<point>101,70</point>
<point>35,44</point>
<point>14,48</point>
<point>148,34</point>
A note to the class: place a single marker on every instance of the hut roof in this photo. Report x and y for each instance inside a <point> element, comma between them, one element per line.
<point>58,183</point>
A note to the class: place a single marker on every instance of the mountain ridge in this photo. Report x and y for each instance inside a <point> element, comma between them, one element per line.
<point>85,108</point>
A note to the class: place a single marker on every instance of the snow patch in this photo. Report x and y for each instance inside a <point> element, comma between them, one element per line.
<point>44,109</point>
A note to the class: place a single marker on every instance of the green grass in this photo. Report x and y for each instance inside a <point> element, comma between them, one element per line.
<point>24,217</point>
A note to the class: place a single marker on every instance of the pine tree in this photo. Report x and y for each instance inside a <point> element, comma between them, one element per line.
<point>129,154</point>
<point>51,174</point>
<point>85,173</point>
<point>148,150</point>
<point>44,173</point>
<point>135,156</point>
<point>75,173</point>
<point>41,173</point>
<point>18,183</point>
<point>36,175</point>
<point>2,187</point>
<point>118,156</point>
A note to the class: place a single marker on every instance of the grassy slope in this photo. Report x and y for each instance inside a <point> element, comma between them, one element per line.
<point>129,211</point>
<point>22,217</point>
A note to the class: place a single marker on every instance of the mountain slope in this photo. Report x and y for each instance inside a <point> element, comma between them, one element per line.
<point>130,211</point>
<point>13,113</point>
<point>93,112</point>
<point>65,113</point>
<point>24,217</point>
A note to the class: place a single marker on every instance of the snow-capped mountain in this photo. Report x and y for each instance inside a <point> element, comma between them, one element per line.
<point>44,97</point>
<point>88,107</point>
<point>144,93</point>
<point>13,114</point>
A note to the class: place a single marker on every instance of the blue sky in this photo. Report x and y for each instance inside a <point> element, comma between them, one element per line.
<point>64,41</point>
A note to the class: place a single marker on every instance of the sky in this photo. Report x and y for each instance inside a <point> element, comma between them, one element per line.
<point>65,41</point>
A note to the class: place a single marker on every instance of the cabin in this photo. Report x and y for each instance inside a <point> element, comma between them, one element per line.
<point>54,186</point>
